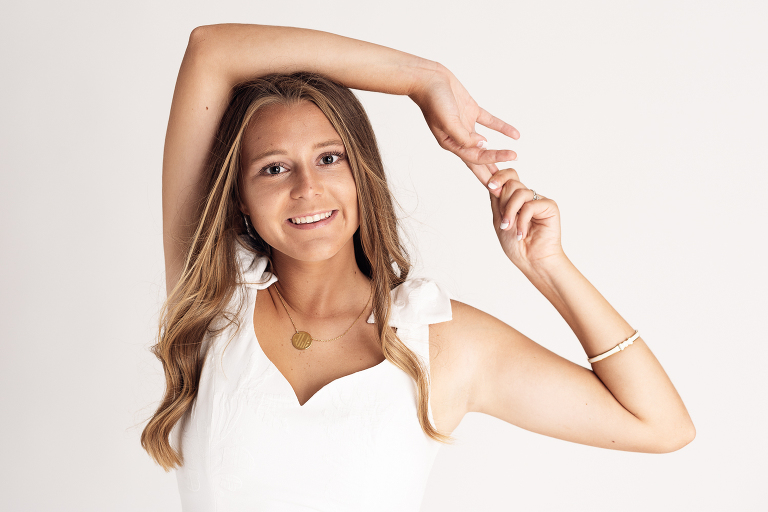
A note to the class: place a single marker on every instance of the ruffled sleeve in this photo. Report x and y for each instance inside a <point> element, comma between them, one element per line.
<point>418,302</point>
<point>252,268</point>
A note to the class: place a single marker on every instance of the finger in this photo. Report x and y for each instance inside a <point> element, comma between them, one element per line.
<point>504,221</point>
<point>494,123</point>
<point>499,178</point>
<point>477,141</point>
<point>485,156</point>
<point>495,210</point>
<point>510,210</point>
<point>502,176</point>
<point>458,137</point>
<point>497,201</point>
<point>474,150</point>
<point>527,212</point>
<point>469,143</point>
<point>482,172</point>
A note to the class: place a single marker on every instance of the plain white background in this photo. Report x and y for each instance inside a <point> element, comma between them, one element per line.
<point>646,121</point>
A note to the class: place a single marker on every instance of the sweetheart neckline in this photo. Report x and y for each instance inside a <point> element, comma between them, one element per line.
<point>251,327</point>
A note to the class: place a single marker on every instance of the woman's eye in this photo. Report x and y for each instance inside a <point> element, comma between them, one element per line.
<point>330,159</point>
<point>273,169</point>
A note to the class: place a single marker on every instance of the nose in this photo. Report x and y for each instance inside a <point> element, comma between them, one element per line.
<point>307,183</point>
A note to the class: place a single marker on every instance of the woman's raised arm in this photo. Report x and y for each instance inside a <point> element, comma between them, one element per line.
<point>220,56</point>
<point>627,401</point>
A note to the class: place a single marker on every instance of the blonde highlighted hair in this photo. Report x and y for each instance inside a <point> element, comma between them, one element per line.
<point>211,274</point>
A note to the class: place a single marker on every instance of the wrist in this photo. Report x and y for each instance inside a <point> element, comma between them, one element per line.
<point>424,72</point>
<point>546,272</point>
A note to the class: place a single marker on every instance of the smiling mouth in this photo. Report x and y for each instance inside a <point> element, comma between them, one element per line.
<point>310,219</point>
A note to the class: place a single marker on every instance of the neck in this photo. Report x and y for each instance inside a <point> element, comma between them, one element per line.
<point>322,289</point>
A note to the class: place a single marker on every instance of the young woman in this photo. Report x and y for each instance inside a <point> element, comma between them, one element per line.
<point>305,370</point>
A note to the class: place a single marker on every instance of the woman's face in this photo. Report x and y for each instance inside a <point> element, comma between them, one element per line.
<point>296,183</point>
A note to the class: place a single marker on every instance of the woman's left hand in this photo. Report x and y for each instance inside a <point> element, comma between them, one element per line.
<point>528,228</point>
<point>452,115</point>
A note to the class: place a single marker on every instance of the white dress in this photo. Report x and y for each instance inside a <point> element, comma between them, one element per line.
<point>356,445</point>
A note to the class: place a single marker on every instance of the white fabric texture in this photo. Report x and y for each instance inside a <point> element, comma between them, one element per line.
<point>356,445</point>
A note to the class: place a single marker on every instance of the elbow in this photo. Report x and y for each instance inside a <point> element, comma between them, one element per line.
<point>205,45</point>
<point>689,434</point>
<point>208,33</point>
<point>200,35</point>
<point>676,438</point>
<point>212,43</point>
<point>199,43</point>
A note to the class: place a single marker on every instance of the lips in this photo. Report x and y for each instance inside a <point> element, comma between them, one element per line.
<point>311,218</point>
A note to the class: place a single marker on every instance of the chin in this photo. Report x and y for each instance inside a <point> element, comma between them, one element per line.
<point>314,252</point>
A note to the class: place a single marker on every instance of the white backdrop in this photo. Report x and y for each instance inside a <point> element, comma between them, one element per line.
<point>646,121</point>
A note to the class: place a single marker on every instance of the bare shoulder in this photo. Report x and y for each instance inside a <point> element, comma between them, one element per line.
<point>480,364</point>
<point>462,342</point>
<point>451,342</point>
<point>455,354</point>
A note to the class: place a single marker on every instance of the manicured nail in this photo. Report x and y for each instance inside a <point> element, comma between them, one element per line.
<point>492,185</point>
<point>504,225</point>
<point>482,144</point>
<point>519,236</point>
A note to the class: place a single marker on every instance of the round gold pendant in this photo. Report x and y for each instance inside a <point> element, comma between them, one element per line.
<point>301,340</point>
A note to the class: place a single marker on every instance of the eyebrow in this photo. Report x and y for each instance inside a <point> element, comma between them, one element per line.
<point>271,152</point>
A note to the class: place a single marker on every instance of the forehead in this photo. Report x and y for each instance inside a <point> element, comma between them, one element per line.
<point>287,128</point>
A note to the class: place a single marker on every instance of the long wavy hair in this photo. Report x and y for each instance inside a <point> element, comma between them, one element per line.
<point>197,307</point>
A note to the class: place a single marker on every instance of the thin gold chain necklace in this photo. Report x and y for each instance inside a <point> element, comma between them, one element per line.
<point>301,340</point>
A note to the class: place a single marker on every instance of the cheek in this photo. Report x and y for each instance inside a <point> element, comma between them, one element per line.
<point>349,192</point>
<point>352,206</point>
<point>262,214</point>
<point>258,205</point>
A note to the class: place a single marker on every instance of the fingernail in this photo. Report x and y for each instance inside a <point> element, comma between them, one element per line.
<point>504,225</point>
<point>482,144</point>
<point>519,236</point>
<point>492,185</point>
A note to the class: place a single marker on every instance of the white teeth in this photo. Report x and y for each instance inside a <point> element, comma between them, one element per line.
<point>309,220</point>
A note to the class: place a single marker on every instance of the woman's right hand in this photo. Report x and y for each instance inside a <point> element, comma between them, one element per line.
<point>451,114</point>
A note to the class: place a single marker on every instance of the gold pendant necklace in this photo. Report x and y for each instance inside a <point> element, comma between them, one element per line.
<point>302,340</point>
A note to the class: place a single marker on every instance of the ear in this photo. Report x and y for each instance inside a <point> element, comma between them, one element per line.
<point>239,197</point>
